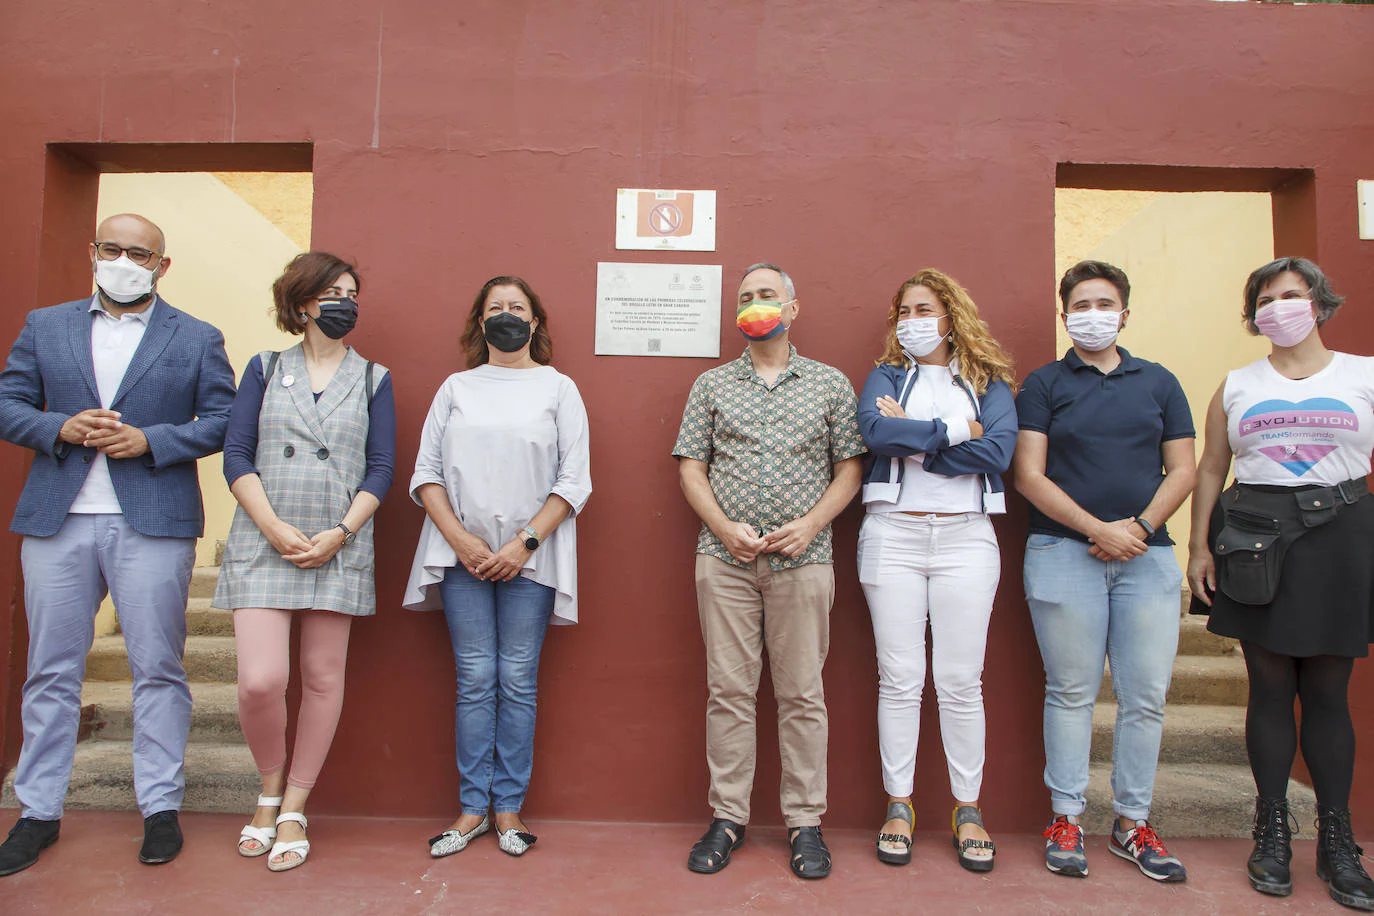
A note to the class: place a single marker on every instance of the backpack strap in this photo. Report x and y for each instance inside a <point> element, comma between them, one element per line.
<point>270,368</point>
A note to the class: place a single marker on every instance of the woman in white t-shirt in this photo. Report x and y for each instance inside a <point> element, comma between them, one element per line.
<point>502,472</point>
<point>1281,560</point>
<point>939,419</point>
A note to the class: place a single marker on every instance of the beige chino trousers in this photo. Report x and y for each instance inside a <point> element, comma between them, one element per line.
<point>787,611</point>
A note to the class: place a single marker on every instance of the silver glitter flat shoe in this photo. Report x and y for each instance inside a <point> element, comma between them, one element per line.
<point>451,841</point>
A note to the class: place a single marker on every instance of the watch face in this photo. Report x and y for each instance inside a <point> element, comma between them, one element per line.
<point>531,543</point>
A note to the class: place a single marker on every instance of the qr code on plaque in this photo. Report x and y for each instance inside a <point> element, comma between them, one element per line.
<point>655,344</point>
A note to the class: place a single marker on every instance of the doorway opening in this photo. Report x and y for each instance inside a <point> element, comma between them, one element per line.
<point>1187,238</point>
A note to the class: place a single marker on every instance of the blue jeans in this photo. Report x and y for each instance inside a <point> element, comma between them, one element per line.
<point>497,629</point>
<point>1086,610</point>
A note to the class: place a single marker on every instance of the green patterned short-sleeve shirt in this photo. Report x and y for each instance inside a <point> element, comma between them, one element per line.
<point>770,451</point>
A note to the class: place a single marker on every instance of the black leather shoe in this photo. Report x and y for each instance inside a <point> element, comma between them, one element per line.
<point>1268,866</point>
<point>161,838</point>
<point>28,837</point>
<point>810,857</point>
<point>1338,860</point>
<point>712,852</point>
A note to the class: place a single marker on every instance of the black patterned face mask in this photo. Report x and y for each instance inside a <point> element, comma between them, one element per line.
<point>506,332</point>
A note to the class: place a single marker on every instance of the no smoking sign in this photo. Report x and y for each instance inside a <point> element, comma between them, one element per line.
<point>653,219</point>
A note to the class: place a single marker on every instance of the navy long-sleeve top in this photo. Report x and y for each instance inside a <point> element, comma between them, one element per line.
<point>241,441</point>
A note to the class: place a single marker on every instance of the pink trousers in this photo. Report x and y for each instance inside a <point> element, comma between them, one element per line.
<point>263,639</point>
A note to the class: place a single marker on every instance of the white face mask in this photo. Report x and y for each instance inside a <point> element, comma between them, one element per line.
<point>1094,329</point>
<point>123,280</point>
<point>920,336</point>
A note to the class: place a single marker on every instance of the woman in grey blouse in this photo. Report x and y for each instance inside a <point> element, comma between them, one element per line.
<point>502,472</point>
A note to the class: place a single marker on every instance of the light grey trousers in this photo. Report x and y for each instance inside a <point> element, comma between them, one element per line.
<point>66,576</point>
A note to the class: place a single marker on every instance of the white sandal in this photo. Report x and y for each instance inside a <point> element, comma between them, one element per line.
<point>451,841</point>
<point>262,835</point>
<point>300,847</point>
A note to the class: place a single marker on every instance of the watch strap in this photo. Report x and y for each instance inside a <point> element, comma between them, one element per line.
<point>1148,528</point>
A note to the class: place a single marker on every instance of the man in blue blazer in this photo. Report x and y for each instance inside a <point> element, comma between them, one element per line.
<point>117,396</point>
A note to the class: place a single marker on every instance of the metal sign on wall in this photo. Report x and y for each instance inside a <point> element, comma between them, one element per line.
<point>648,219</point>
<point>658,310</point>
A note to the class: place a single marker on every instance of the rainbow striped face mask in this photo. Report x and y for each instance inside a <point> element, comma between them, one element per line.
<point>761,320</point>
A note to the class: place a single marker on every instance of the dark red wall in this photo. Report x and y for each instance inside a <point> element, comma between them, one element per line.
<point>852,143</point>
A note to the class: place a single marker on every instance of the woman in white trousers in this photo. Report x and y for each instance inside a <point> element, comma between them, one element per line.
<point>939,418</point>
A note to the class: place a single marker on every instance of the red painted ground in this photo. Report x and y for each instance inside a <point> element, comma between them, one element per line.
<point>363,865</point>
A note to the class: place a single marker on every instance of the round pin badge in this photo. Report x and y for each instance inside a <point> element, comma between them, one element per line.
<point>288,380</point>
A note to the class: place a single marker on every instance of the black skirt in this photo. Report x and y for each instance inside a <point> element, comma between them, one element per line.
<point>1325,600</point>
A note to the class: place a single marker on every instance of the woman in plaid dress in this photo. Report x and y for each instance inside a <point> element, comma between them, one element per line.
<point>309,455</point>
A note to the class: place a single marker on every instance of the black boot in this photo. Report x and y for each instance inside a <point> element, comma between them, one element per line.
<point>1268,865</point>
<point>1338,860</point>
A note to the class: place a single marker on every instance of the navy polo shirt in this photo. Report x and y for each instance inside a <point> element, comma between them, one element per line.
<point>1105,434</point>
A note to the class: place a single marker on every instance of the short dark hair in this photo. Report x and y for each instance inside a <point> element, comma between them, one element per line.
<point>307,276</point>
<point>1323,296</point>
<point>474,341</point>
<point>1095,270</point>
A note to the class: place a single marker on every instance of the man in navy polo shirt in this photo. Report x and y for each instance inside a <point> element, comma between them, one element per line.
<point>1105,455</point>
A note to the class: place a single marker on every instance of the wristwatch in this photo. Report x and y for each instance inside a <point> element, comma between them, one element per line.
<point>1146,526</point>
<point>348,535</point>
<point>532,538</point>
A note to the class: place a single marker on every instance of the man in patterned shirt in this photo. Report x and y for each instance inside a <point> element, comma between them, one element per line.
<point>769,452</point>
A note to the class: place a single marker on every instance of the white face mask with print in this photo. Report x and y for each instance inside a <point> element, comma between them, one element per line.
<point>1093,329</point>
<point>123,280</point>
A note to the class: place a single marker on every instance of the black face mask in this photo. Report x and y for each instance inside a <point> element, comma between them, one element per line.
<point>506,332</point>
<point>337,317</point>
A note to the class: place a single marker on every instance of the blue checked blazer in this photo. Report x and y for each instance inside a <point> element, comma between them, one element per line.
<point>177,390</point>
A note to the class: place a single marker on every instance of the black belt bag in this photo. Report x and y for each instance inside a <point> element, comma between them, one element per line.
<point>1261,524</point>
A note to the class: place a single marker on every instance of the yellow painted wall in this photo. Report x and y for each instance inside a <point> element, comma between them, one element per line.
<point>228,236</point>
<point>1187,256</point>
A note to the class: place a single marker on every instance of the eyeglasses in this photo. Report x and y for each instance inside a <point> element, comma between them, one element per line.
<point>109,251</point>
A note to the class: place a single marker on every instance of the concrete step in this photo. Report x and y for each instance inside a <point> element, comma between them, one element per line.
<point>1192,734</point>
<point>208,658</point>
<point>219,777</point>
<point>203,620</point>
<point>1217,680</point>
<point>214,711</point>
<point>1194,639</point>
<point>1196,799</point>
<point>203,581</point>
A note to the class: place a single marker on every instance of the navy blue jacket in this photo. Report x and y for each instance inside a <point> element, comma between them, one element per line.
<point>177,390</point>
<point>890,439</point>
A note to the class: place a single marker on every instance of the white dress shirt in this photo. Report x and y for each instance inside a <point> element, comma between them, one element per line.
<point>113,342</point>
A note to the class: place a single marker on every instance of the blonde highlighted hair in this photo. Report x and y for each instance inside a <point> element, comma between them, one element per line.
<point>981,358</point>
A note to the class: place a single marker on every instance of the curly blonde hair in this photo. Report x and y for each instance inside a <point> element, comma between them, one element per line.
<point>981,358</point>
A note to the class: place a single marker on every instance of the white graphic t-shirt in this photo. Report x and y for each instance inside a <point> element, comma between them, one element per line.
<point>1295,432</point>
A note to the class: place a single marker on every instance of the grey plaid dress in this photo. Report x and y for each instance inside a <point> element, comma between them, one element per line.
<point>312,457</point>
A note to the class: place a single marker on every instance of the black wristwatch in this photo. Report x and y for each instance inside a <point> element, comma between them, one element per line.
<point>348,535</point>
<point>532,538</point>
<point>1149,529</point>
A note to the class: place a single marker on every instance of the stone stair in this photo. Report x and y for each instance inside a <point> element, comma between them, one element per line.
<point>1203,785</point>
<point>220,774</point>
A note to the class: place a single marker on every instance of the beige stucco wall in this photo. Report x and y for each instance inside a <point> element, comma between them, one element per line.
<point>228,236</point>
<point>1187,256</point>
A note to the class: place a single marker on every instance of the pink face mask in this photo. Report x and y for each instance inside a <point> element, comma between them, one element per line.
<point>1286,322</point>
